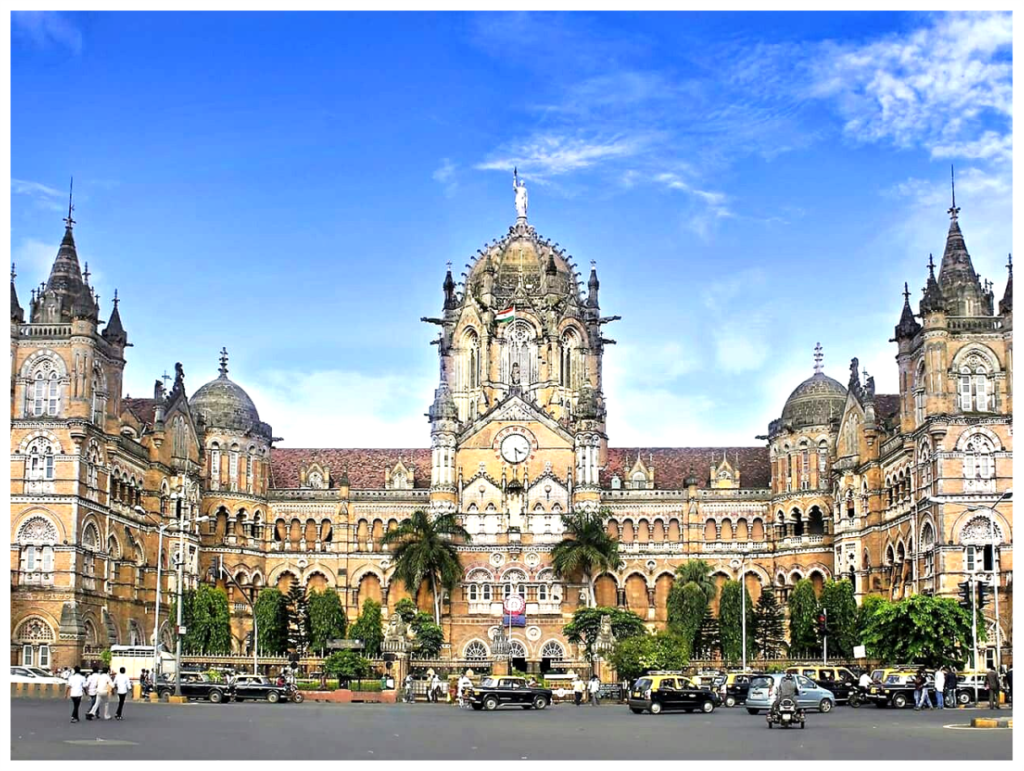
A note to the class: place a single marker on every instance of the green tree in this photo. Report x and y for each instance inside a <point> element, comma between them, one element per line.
<point>586,623</point>
<point>686,605</point>
<point>326,619</point>
<point>585,550</point>
<point>638,654</point>
<point>407,609</point>
<point>206,618</point>
<point>346,665</point>
<point>429,635</point>
<point>920,629</point>
<point>840,605</point>
<point>369,628</point>
<point>697,572</point>
<point>298,617</point>
<point>424,548</point>
<point>272,621</point>
<point>730,621</point>
<point>708,643</point>
<point>803,621</point>
<point>769,625</point>
<point>868,606</point>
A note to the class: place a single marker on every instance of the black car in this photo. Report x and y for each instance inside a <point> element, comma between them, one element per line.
<point>658,693</point>
<point>494,692</point>
<point>258,687</point>
<point>195,686</point>
<point>898,690</point>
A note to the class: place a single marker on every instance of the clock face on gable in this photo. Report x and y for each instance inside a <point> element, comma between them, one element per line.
<point>514,444</point>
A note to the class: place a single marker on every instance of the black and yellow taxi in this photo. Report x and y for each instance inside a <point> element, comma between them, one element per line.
<point>898,689</point>
<point>840,680</point>
<point>661,692</point>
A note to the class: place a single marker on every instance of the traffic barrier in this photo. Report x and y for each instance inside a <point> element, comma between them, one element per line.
<point>37,691</point>
<point>345,696</point>
<point>992,722</point>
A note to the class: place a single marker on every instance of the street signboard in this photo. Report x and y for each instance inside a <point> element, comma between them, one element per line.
<point>340,645</point>
<point>517,620</point>
<point>182,630</point>
<point>514,605</point>
<point>859,652</point>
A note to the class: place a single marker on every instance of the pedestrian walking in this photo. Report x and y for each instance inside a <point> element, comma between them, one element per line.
<point>408,689</point>
<point>951,681</point>
<point>595,690</point>
<point>122,684</point>
<point>577,690</point>
<point>435,688</point>
<point>462,690</point>
<point>75,690</point>
<point>90,691</point>
<point>104,685</point>
<point>940,684</point>
<point>992,681</point>
<point>921,691</point>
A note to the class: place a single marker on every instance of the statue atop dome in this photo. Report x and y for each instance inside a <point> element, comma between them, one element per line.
<point>522,198</point>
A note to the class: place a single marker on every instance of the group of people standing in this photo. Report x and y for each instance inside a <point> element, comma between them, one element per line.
<point>591,687</point>
<point>434,689</point>
<point>101,685</point>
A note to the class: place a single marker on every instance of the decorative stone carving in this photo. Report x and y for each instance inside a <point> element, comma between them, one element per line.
<point>497,558</point>
<point>605,637</point>
<point>37,530</point>
<point>531,559</point>
<point>34,630</point>
<point>533,633</point>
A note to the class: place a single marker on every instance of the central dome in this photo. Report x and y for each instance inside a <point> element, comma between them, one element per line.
<point>224,404</point>
<point>815,401</point>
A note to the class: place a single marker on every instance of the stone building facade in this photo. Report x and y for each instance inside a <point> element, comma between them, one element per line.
<point>849,482</point>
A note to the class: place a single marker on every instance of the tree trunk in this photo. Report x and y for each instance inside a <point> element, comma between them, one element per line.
<point>437,600</point>
<point>591,598</point>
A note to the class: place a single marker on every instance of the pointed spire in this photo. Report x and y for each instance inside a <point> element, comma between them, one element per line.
<point>17,314</point>
<point>68,221</point>
<point>114,331</point>
<point>449,289</point>
<point>953,210</point>
<point>818,356</point>
<point>593,285</point>
<point>933,299</point>
<point>907,326</point>
<point>223,362</point>
<point>1006,304</point>
<point>86,274</point>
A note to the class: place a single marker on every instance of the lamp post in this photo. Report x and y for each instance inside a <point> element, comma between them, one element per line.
<point>220,571</point>
<point>156,620</point>
<point>181,577</point>
<point>741,564</point>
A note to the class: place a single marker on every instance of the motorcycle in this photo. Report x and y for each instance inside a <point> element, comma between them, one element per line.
<point>786,714</point>
<point>857,697</point>
<point>294,695</point>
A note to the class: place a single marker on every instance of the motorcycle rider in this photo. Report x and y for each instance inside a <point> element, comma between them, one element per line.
<point>788,688</point>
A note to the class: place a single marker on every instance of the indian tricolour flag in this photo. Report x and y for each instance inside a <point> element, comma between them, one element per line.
<point>508,314</point>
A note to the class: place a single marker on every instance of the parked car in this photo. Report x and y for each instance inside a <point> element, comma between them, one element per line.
<point>764,689</point>
<point>494,692</point>
<point>258,687</point>
<point>658,693</point>
<point>898,690</point>
<point>839,680</point>
<point>34,675</point>
<point>736,688</point>
<point>965,683</point>
<point>196,686</point>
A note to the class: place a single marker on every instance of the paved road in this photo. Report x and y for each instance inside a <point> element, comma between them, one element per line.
<point>40,730</point>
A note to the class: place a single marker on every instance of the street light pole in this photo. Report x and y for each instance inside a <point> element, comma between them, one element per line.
<point>156,620</point>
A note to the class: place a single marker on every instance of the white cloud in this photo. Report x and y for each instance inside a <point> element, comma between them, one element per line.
<point>46,28</point>
<point>43,196</point>
<point>547,155</point>
<point>445,174</point>
<point>340,408</point>
<point>33,259</point>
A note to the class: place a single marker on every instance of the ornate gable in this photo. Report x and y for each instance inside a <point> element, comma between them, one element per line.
<point>724,475</point>
<point>399,477</point>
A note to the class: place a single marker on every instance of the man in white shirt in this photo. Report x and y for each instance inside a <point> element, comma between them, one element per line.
<point>865,681</point>
<point>75,691</point>
<point>90,691</point>
<point>464,685</point>
<point>104,685</point>
<point>940,687</point>
<point>594,687</point>
<point>122,684</point>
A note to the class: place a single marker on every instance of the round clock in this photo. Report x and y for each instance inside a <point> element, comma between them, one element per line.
<point>515,448</point>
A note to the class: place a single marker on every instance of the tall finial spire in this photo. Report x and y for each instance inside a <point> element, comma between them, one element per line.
<point>13,274</point>
<point>931,265</point>
<point>953,210</point>
<point>71,206</point>
<point>116,301</point>
<point>818,356</point>
<point>1009,265</point>
<point>906,292</point>
<point>86,274</point>
<point>223,362</point>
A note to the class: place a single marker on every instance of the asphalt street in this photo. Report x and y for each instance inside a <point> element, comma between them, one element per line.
<point>40,729</point>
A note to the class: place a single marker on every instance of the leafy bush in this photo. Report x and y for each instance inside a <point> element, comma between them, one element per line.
<point>369,628</point>
<point>636,655</point>
<point>326,619</point>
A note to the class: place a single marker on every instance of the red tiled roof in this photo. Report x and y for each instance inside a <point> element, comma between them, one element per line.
<point>886,405</point>
<point>673,464</point>
<point>143,409</point>
<point>365,466</point>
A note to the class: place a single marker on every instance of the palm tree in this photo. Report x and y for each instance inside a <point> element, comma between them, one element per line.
<point>423,547</point>
<point>586,549</point>
<point>697,572</point>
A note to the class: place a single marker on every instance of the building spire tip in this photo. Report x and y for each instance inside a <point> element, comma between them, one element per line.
<point>819,355</point>
<point>223,362</point>
<point>68,221</point>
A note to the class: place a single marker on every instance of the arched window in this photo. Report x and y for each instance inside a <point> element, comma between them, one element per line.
<point>516,578</point>
<point>639,481</point>
<point>978,461</point>
<point>479,586</point>
<point>552,650</point>
<point>919,394</point>
<point>99,397</point>
<point>40,459</point>
<point>233,467</point>
<point>519,363</point>
<point>180,431</point>
<point>34,636</point>
<point>974,388</point>
<point>470,360</point>
<point>928,547</point>
<point>475,651</point>
<point>250,467</point>
<point>215,466</point>
<point>569,376</point>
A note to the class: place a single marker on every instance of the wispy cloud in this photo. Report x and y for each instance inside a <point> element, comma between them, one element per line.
<point>445,174</point>
<point>43,196</point>
<point>47,28</point>
<point>553,154</point>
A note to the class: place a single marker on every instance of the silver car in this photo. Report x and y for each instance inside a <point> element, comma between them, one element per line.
<point>765,688</point>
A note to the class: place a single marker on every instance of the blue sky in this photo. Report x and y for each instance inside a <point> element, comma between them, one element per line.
<point>291,185</point>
